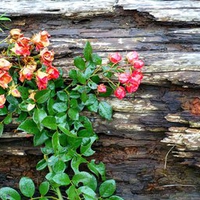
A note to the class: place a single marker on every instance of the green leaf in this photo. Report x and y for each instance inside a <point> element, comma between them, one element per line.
<point>62,96</point>
<point>1,128</point>
<point>93,107</point>
<point>42,96</point>
<point>29,126</point>
<point>40,138</point>
<point>38,116</point>
<point>41,165</point>
<point>73,193</point>
<point>86,179</point>
<point>75,163</point>
<point>66,131</point>
<point>59,166</point>
<point>3,111</point>
<point>88,193</point>
<point>22,116</point>
<point>91,99</point>
<point>86,146</point>
<point>81,77</point>
<point>50,109</point>
<point>74,95</point>
<point>7,193</point>
<point>56,143</point>
<point>114,197</point>
<point>97,169</point>
<point>60,107</point>
<point>12,100</point>
<point>92,85</point>
<point>73,114</point>
<point>96,79</point>
<point>73,74</point>
<point>49,122</point>
<point>79,63</point>
<point>61,118</point>
<point>107,188</point>
<point>61,179</point>
<point>24,92</point>
<point>44,188</point>
<point>105,110</point>
<point>27,187</point>
<point>8,119</point>
<point>87,52</point>
<point>96,59</point>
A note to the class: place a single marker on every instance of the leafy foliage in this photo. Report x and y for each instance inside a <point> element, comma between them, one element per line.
<point>53,113</point>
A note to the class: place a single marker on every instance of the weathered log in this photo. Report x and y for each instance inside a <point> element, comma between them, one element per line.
<point>130,144</point>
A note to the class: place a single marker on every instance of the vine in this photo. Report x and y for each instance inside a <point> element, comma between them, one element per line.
<point>34,93</point>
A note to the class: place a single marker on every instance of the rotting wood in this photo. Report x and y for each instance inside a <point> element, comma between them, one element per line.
<point>130,143</point>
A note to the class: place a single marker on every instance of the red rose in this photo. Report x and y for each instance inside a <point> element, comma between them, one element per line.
<point>101,88</point>
<point>138,64</point>
<point>120,92</point>
<point>132,87</point>
<point>41,80</point>
<point>52,72</point>
<point>115,58</point>
<point>124,77</point>
<point>132,56</point>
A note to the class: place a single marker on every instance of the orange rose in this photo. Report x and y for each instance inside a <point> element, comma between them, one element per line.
<point>15,35</point>
<point>25,73</point>
<point>2,100</point>
<point>5,78</point>
<point>4,64</point>
<point>47,57</point>
<point>52,72</point>
<point>41,80</point>
<point>22,47</point>
<point>41,40</point>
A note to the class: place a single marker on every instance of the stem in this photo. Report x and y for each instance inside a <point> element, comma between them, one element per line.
<point>59,193</point>
<point>57,190</point>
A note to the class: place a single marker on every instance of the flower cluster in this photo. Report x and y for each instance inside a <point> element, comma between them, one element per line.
<point>26,59</point>
<point>129,80</point>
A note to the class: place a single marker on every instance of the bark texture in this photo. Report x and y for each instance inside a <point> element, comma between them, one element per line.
<point>161,120</point>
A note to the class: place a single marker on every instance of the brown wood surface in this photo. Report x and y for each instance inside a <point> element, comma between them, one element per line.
<point>160,121</point>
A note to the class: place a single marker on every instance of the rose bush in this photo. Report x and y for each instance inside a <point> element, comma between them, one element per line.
<point>34,93</point>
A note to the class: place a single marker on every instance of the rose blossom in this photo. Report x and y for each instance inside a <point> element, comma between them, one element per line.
<point>138,64</point>
<point>25,73</point>
<point>2,100</point>
<point>115,58</point>
<point>22,46</point>
<point>132,56</point>
<point>101,88</point>
<point>136,76</point>
<point>120,92</point>
<point>132,87</point>
<point>15,35</point>
<point>52,72</point>
<point>47,57</point>
<point>124,77</point>
<point>41,40</point>
<point>41,80</point>
<point>4,64</point>
<point>14,91</point>
<point>5,78</point>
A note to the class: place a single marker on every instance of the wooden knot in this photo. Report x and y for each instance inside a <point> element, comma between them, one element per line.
<point>193,106</point>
